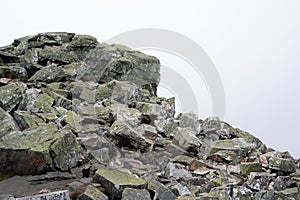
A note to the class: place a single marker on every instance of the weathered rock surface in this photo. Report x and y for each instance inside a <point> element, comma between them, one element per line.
<point>81,119</point>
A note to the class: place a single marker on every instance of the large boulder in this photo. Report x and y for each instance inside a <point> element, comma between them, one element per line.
<point>115,181</point>
<point>37,150</point>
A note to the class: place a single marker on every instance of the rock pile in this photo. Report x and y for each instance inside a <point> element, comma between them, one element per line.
<point>83,116</point>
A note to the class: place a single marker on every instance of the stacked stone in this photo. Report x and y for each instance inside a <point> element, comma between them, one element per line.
<point>72,105</point>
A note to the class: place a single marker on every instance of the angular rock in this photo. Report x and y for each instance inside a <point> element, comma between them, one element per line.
<point>115,181</point>
<point>161,191</point>
<point>186,138</point>
<point>135,194</point>
<point>259,180</point>
<point>37,150</point>
<point>237,145</point>
<point>283,182</point>
<point>59,195</point>
<point>11,96</point>
<point>26,120</point>
<point>92,193</point>
<point>36,101</point>
<point>281,164</point>
<point>189,120</point>
<point>7,123</point>
<point>13,72</point>
<point>247,168</point>
<point>174,172</point>
<point>49,74</point>
<point>181,190</point>
<point>7,57</point>
<point>126,136</point>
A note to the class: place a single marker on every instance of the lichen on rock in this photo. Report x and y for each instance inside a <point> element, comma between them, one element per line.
<point>89,113</point>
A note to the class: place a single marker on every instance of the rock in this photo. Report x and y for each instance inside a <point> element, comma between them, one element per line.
<point>291,193</point>
<point>72,108</point>
<point>37,150</point>
<point>281,164</point>
<point>135,194</point>
<point>211,124</point>
<point>74,121</point>
<point>7,197</point>
<point>59,195</point>
<point>26,120</point>
<point>11,96</point>
<point>49,74</point>
<point>237,145</point>
<point>115,181</point>
<point>36,101</point>
<point>186,138</point>
<point>122,112</point>
<point>173,171</point>
<point>247,168</point>
<point>283,182</point>
<point>92,193</point>
<point>259,180</point>
<point>181,190</point>
<point>48,56</point>
<point>161,191</point>
<point>126,136</point>
<point>189,120</point>
<point>7,57</point>
<point>242,193</point>
<point>7,123</point>
<point>13,72</point>
<point>124,92</point>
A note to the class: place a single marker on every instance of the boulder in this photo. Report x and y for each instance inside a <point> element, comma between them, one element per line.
<point>126,136</point>
<point>92,193</point>
<point>7,123</point>
<point>135,194</point>
<point>115,181</point>
<point>11,95</point>
<point>38,150</point>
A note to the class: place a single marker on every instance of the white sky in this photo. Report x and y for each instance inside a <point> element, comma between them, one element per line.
<point>254,44</point>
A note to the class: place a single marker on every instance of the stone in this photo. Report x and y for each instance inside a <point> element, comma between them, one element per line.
<point>13,72</point>
<point>122,112</point>
<point>283,182</point>
<point>259,180</point>
<point>74,121</point>
<point>126,136</point>
<point>181,190</point>
<point>7,57</point>
<point>92,193</point>
<point>7,123</point>
<point>135,194</point>
<point>161,191</point>
<point>281,164</point>
<point>26,120</point>
<point>115,181</point>
<point>37,150</point>
<point>186,138</point>
<point>237,145</point>
<point>49,74</point>
<point>173,171</point>
<point>36,101</point>
<point>247,168</point>
<point>81,115</point>
<point>58,195</point>
<point>189,120</point>
<point>11,96</point>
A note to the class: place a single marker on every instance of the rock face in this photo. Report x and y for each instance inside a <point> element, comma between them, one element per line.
<point>88,112</point>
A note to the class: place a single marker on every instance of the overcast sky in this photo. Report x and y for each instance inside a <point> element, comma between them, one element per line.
<point>254,45</point>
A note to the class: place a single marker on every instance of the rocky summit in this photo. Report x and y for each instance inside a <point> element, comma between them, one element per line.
<point>82,120</point>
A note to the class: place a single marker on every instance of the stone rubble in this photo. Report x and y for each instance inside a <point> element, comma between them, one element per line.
<point>81,120</point>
